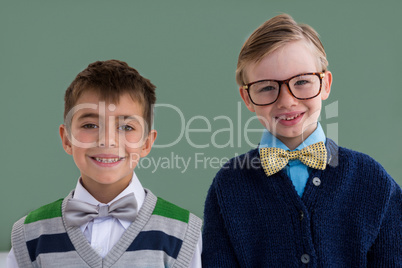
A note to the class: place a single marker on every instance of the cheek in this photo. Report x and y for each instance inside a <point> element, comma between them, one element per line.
<point>85,136</point>
<point>133,144</point>
<point>134,154</point>
<point>265,123</point>
<point>264,113</point>
<point>78,155</point>
<point>132,137</point>
<point>315,109</point>
<point>264,116</point>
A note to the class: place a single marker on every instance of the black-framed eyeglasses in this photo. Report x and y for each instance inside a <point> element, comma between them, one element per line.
<point>302,86</point>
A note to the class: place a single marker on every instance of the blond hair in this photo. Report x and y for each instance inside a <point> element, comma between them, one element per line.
<point>273,34</point>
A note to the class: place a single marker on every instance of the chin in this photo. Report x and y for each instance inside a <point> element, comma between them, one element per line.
<point>291,133</point>
<point>107,181</point>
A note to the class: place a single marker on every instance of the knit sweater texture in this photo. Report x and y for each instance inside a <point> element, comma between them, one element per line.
<point>350,215</point>
<point>163,235</point>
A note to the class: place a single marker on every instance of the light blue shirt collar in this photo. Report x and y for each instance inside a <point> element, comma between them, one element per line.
<point>269,140</point>
<point>296,171</point>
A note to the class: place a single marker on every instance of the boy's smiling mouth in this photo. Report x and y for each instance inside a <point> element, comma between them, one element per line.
<point>288,117</point>
<point>107,160</point>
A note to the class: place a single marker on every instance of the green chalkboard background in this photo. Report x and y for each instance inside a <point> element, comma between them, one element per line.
<point>189,51</point>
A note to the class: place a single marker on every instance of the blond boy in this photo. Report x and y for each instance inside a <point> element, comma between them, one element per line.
<point>298,199</point>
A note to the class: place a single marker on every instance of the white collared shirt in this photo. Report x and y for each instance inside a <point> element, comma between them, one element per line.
<point>103,233</point>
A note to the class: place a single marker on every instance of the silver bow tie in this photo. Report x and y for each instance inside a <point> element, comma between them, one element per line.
<point>78,212</point>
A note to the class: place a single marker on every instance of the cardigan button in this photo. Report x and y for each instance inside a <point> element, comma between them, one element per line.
<point>305,258</point>
<point>316,181</point>
<point>301,215</point>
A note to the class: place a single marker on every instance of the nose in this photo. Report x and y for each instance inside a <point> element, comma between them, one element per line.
<point>107,135</point>
<point>285,98</point>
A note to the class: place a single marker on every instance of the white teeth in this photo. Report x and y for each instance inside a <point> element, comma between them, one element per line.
<point>107,160</point>
<point>288,118</point>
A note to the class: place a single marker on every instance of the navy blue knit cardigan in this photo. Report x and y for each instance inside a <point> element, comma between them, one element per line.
<point>350,215</point>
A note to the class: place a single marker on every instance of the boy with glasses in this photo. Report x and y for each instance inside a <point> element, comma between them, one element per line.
<point>298,199</point>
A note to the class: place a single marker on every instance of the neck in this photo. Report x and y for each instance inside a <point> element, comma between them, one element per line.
<point>104,193</point>
<point>290,143</point>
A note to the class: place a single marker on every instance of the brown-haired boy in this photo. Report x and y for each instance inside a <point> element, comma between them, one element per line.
<point>109,219</point>
<point>298,199</point>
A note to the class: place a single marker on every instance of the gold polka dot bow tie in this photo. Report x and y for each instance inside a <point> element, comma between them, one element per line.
<point>275,159</point>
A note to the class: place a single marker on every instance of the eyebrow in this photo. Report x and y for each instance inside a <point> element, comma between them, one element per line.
<point>128,117</point>
<point>88,115</point>
<point>96,116</point>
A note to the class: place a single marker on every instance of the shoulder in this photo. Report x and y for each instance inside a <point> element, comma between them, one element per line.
<point>360,161</point>
<point>366,171</point>
<point>241,174</point>
<point>352,160</point>
<point>167,209</point>
<point>241,163</point>
<point>48,211</point>
<point>171,213</point>
<point>40,221</point>
<point>169,222</point>
<point>45,220</point>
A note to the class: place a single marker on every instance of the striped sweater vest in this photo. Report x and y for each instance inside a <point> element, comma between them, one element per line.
<point>163,235</point>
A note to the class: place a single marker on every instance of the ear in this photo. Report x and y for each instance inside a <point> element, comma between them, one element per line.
<point>326,85</point>
<point>65,140</point>
<point>246,99</point>
<point>149,141</point>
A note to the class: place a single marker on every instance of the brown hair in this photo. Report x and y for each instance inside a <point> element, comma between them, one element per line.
<point>110,79</point>
<point>273,34</point>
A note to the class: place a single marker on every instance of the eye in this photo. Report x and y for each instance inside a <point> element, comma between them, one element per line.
<point>302,82</point>
<point>89,126</point>
<point>266,89</point>
<point>266,86</point>
<point>126,128</point>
